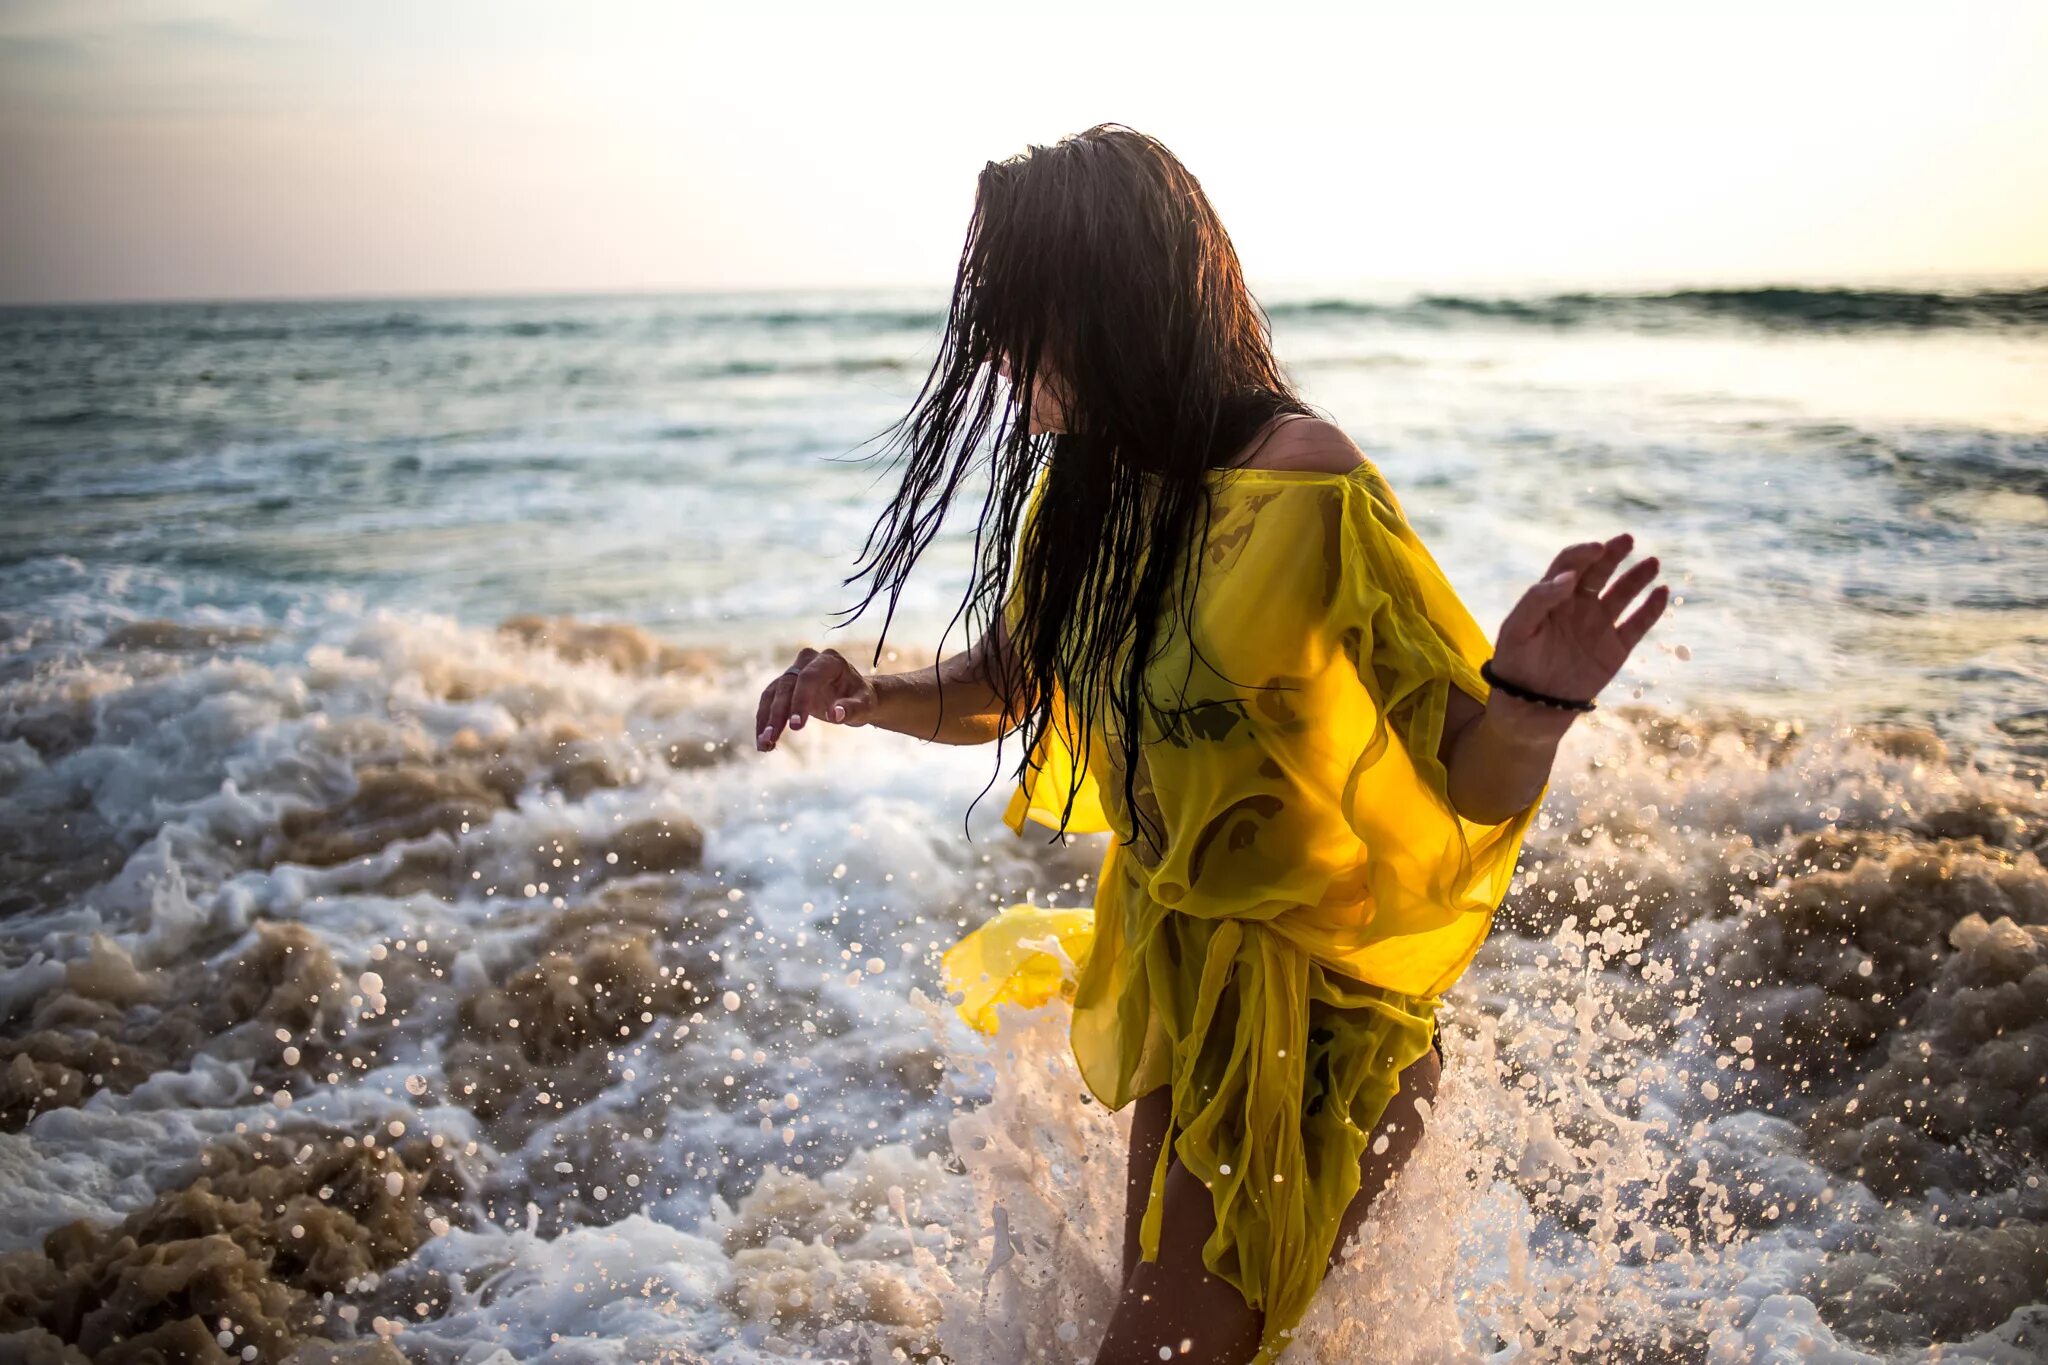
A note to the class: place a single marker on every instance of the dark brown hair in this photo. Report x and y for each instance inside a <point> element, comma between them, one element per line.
<point>1099,260</point>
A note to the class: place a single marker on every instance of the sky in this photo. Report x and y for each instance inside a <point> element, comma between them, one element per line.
<point>230,149</point>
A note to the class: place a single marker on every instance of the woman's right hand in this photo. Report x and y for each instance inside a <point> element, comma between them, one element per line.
<point>820,683</point>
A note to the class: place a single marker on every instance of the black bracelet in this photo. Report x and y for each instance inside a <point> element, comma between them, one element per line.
<point>1530,693</point>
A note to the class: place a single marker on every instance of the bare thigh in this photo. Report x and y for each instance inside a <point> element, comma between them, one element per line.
<point>1176,1299</point>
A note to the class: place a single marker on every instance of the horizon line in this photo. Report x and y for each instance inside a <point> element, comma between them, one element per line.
<point>1922,280</point>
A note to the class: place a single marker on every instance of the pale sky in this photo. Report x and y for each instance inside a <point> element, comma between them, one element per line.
<point>152,149</point>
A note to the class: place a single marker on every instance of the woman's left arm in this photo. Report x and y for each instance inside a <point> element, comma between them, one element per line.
<point>1497,755</point>
<point>1566,637</point>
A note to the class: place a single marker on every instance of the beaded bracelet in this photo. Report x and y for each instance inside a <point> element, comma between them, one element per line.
<point>1530,693</point>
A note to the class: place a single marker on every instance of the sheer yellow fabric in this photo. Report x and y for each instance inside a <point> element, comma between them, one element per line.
<point>1277,957</point>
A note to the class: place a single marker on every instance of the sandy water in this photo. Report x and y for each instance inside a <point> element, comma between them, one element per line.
<point>392,966</point>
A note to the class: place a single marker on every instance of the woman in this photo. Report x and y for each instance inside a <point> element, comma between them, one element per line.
<point>1223,642</point>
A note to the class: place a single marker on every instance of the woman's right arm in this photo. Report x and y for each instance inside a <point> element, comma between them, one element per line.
<point>954,701</point>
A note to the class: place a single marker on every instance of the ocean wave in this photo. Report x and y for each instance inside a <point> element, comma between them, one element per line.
<point>867,319</point>
<point>246,324</point>
<point>764,367</point>
<point>1776,309</point>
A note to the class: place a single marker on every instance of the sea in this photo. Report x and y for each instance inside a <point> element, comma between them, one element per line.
<point>406,954</point>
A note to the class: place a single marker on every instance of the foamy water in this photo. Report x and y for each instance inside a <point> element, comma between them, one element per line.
<point>392,965</point>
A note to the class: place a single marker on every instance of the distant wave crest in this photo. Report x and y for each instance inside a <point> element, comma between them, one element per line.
<point>1777,308</point>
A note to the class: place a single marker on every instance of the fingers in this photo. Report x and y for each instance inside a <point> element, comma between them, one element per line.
<point>1615,600</point>
<point>818,686</point>
<point>1574,557</point>
<point>849,710</point>
<point>1627,586</point>
<point>1611,554</point>
<point>776,702</point>
<point>773,712</point>
<point>1632,630</point>
<point>1582,567</point>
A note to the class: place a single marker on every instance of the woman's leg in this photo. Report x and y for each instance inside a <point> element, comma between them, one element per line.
<point>1175,1299</point>
<point>1401,1125</point>
<point>1149,1116</point>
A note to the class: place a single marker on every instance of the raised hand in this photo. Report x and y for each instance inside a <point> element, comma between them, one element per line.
<point>821,683</point>
<point>1566,636</point>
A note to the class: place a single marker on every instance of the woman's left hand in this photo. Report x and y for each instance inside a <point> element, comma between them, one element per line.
<point>1566,636</point>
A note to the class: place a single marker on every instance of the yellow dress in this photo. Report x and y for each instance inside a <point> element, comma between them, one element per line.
<point>1280,959</point>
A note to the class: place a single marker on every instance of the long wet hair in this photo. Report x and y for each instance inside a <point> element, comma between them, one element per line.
<point>1097,260</point>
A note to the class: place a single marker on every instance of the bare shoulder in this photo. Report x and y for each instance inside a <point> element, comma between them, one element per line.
<point>1308,443</point>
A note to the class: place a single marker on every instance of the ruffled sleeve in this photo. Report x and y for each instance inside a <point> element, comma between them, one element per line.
<point>1436,878</point>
